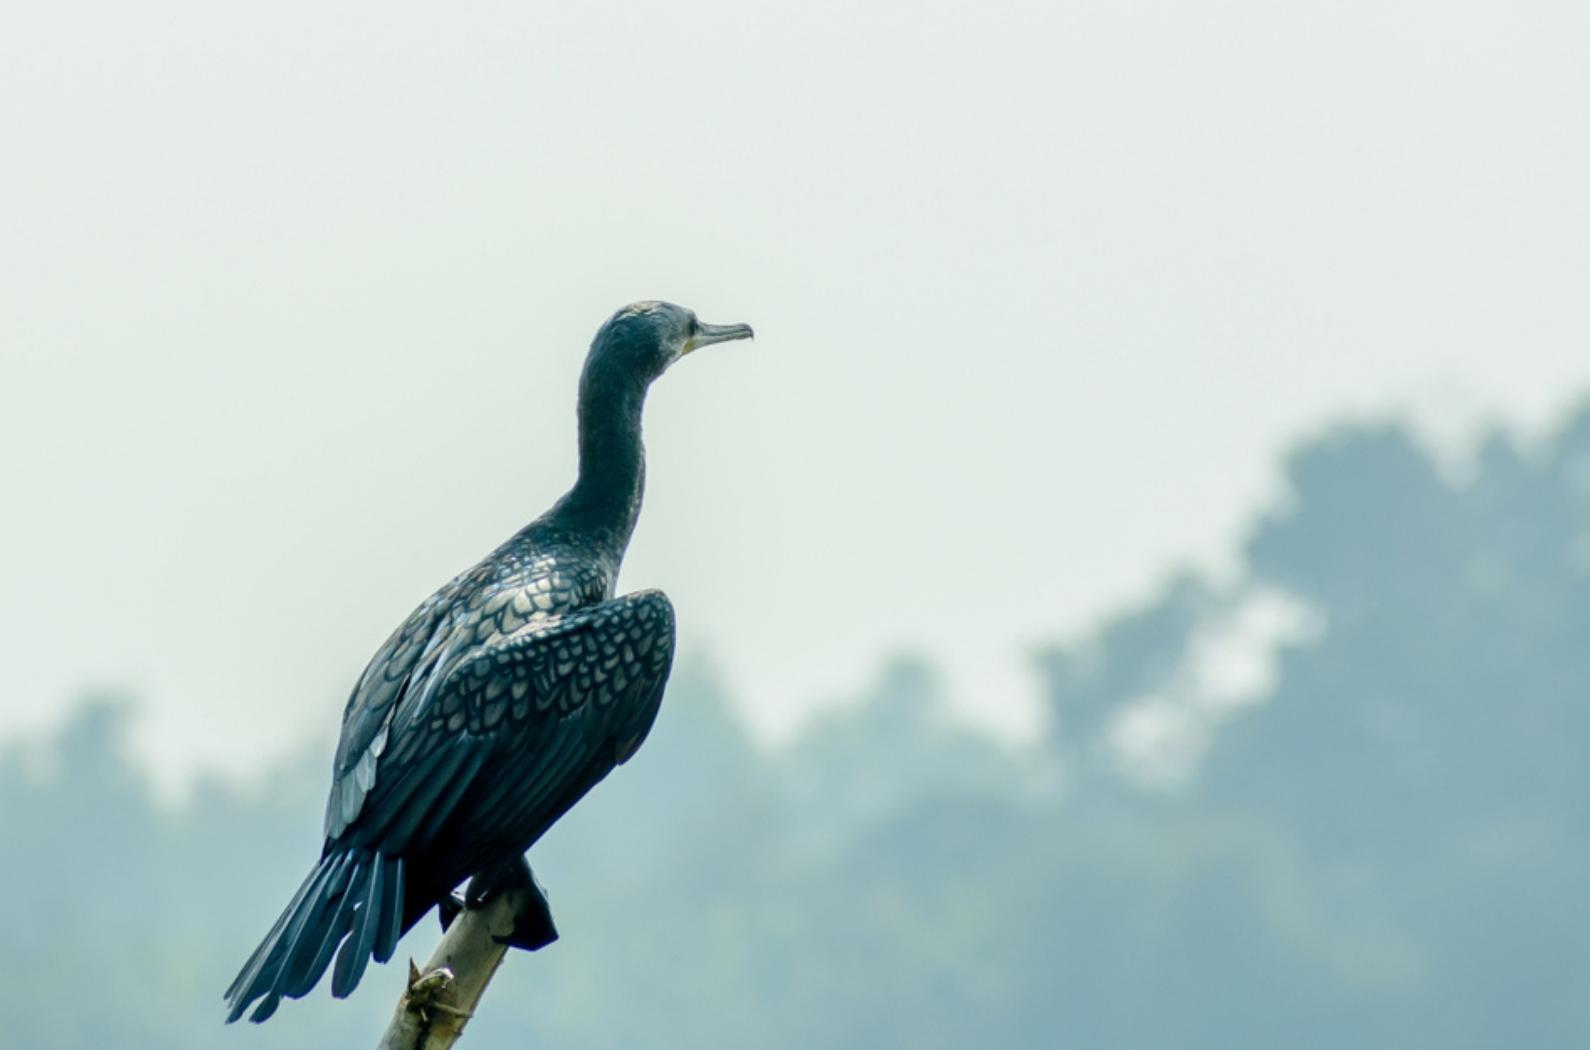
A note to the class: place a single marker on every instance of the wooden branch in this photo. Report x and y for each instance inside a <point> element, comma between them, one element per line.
<point>441,998</point>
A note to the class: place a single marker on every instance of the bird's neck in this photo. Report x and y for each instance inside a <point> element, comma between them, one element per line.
<point>605,500</point>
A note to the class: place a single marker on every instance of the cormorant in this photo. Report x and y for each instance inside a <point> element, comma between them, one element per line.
<point>501,700</point>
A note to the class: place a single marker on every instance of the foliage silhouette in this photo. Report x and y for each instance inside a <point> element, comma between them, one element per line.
<point>1390,850</point>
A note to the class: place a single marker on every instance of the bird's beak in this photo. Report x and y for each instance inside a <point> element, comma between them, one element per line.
<point>707,334</point>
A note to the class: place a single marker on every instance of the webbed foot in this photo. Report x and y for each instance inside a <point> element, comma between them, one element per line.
<point>533,927</point>
<point>448,909</point>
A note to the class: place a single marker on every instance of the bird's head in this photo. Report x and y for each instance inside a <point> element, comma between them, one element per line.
<point>644,338</point>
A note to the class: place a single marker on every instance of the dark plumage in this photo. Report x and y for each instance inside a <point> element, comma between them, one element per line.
<point>497,704</point>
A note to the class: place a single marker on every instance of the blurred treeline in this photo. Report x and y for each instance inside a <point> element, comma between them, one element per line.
<point>1390,847</point>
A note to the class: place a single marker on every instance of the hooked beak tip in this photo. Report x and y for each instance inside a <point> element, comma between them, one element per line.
<point>707,334</point>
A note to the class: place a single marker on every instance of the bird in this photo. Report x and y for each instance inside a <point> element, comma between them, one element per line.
<point>496,705</point>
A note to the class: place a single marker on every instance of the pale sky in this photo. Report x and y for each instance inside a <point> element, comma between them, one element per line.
<point>293,299</point>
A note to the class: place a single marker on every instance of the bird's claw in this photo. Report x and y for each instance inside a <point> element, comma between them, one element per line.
<point>449,908</point>
<point>533,927</point>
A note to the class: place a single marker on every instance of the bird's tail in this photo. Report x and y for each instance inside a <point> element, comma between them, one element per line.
<point>353,898</point>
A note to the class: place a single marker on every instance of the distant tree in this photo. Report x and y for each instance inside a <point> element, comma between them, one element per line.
<point>1390,849</point>
<point>887,751</point>
<point>1132,655</point>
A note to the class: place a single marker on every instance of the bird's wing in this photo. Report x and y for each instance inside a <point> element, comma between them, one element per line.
<point>405,657</point>
<point>519,725</point>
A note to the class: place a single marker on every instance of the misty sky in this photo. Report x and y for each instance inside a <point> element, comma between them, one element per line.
<point>293,299</point>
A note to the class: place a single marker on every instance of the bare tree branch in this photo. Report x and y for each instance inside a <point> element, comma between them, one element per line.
<point>441,998</point>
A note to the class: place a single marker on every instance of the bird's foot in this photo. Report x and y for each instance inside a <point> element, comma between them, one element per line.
<point>533,927</point>
<point>448,909</point>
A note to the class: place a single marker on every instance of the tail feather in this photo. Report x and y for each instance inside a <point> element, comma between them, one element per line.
<point>355,953</point>
<point>269,943</point>
<point>310,962</point>
<point>352,898</point>
<point>392,910</point>
<point>257,975</point>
